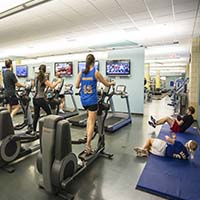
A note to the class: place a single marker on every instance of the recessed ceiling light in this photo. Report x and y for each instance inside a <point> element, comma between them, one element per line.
<point>70,39</point>
<point>131,29</point>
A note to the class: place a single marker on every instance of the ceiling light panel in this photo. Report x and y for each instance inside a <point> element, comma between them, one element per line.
<point>185,6</point>
<point>158,4</point>
<point>8,4</point>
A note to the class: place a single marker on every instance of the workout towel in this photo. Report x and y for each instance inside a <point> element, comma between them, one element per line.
<point>173,178</point>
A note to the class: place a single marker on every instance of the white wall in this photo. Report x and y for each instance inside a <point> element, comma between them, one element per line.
<point>134,83</point>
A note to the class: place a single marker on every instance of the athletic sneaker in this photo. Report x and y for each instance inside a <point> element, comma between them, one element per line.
<point>141,152</point>
<point>152,124</point>
<point>61,111</point>
<point>153,120</point>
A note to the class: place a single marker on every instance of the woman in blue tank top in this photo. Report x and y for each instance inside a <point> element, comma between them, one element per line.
<point>87,81</point>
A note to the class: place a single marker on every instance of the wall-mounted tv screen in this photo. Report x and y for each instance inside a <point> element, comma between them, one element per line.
<point>3,69</point>
<point>65,68</point>
<point>81,65</point>
<point>118,67</point>
<point>22,70</point>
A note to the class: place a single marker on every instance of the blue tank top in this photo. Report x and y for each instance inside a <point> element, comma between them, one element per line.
<point>176,150</point>
<point>89,88</point>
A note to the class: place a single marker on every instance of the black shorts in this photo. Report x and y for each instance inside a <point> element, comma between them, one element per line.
<point>12,100</point>
<point>62,96</point>
<point>91,107</point>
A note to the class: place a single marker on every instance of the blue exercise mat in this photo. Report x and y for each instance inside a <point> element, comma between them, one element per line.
<point>172,178</point>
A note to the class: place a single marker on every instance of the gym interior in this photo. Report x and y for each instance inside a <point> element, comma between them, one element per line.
<point>148,52</point>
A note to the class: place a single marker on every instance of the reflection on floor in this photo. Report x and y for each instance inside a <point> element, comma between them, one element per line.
<point>105,179</point>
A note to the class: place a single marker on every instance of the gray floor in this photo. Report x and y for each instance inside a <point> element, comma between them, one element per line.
<point>105,179</point>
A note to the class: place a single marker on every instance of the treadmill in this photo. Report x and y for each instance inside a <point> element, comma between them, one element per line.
<point>118,120</point>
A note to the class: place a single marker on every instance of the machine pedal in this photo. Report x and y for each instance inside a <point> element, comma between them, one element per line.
<point>84,157</point>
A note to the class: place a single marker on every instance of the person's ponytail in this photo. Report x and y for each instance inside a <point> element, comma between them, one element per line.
<point>90,60</point>
<point>41,75</point>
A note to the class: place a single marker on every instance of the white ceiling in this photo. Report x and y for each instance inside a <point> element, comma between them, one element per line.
<point>62,26</point>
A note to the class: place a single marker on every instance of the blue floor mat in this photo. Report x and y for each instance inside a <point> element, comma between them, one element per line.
<point>173,178</point>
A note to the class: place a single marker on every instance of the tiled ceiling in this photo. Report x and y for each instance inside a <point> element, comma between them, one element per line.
<point>75,25</point>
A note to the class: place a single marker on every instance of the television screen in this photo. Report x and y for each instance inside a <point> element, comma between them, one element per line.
<point>81,65</point>
<point>22,70</point>
<point>118,68</point>
<point>65,68</point>
<point>3,69</point>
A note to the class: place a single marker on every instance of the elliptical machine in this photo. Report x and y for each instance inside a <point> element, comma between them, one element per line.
<point>56,164</point>
<point>11,144</point>
<point>52,97</point>
<point>24,99</point>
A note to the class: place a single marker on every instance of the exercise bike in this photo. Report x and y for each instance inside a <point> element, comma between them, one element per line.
<point>11,144</point>
<point>24,99</point>
<point>56,164</point>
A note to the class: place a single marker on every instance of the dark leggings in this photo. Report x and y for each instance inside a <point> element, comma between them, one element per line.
<point>39,103</point>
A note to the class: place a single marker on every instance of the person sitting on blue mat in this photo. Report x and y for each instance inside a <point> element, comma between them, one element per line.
<point>169,148</point>
<point>180,124</point>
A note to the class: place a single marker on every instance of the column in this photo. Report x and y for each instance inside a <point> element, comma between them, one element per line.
<point>187,70</point>
<point>158,79</point>
<point>18,62</point>
<point>194,76</point>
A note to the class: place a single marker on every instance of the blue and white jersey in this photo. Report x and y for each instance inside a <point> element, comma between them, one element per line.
<point>88,92</point>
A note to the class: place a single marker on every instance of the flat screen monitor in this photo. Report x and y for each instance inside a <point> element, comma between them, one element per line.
<point>81,65</point>
<point>3,69</point>
<point>118,68</point>
<point>22,70</point>
<point>65,68</point>
<point>171,83</point>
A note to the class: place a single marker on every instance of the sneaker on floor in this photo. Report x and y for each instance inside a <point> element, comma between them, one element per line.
<point>153,120</point>
<point>152,124</point>
<point>61,111</point>
<point>141,152</point>
<point>141,155</point>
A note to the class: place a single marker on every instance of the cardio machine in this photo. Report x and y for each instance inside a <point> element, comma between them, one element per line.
<point>56,163</point>
<point>69,92</point>
<point>179,96</point>
<point>79,120</point>
<point>52,96</point>
<point>24,99</point>
<point>54,100</point>
<point>2,97</point>
<point>11,144</point>
<point>118,119</point>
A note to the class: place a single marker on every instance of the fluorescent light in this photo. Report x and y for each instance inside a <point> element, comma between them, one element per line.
<point>170,60</point>
<point>34,2</point>
<point>167,64</point>
<point>13,10</point>
<point>19,6</point>
<point>8,4</point>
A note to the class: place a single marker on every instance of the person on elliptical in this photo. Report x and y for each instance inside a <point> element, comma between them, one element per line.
<point>87,81</point>
<point>61,94</point>
<point>10,82</point>
<point>179,124</point>
<point>39,101</point>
